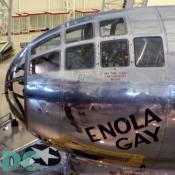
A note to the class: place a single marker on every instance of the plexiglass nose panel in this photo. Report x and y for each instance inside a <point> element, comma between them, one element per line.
<point>14,86</point>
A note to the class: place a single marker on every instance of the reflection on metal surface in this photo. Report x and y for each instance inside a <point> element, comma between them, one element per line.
<point>116,114</point>
<point>122,121</point>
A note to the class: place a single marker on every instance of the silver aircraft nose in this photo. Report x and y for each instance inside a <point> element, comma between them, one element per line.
<point>14,86</point>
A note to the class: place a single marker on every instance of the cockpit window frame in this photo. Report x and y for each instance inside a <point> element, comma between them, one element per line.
<point>81,43</point>
<point>45,40</point>
<point>58,50</point>
<point>77,27</point>
<point>110,19</point>
<point>129,53</point>
<point>149,67</point>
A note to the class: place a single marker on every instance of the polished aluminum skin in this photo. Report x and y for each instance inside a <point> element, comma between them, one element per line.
<point>118,115</point>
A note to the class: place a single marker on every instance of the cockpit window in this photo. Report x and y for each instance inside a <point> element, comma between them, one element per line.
<point>80,57</point>
<point>82,32</point>
<point>149,52</point>
<point>115,53</point>
<point>113,27</point>
<point>46,44</point>
<point>45,63</point>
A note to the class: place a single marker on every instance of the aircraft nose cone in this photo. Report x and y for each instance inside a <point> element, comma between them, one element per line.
<point>14,86</point>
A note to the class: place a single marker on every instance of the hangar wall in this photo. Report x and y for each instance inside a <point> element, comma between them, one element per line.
<point>51,5</point>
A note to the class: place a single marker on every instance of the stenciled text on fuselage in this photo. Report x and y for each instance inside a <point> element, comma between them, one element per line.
<point>143,134</point>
